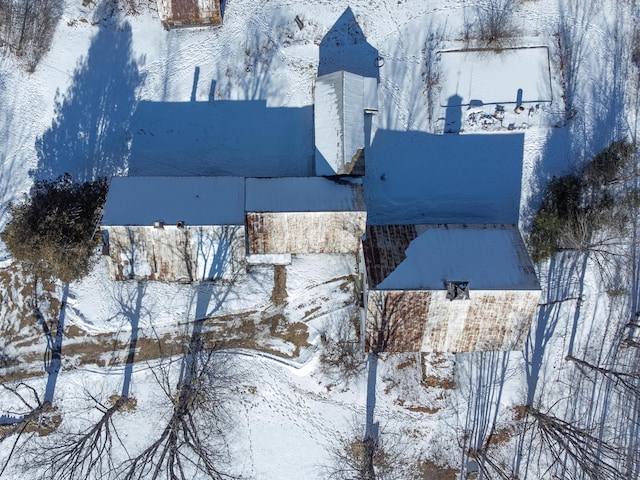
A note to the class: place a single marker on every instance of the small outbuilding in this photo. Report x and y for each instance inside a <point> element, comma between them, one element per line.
<point>341,101</point>
<point>447,288</point>
<point>303,215</point>
<point>175,228</point>
<point>189,13</point>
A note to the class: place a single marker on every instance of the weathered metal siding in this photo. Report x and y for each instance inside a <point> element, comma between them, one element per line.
<point>173,254</point>
<point>305,232</point>
<point>384,249</point>
<point>396,320</point>
<point>189,13</point>
<point>488,321</point>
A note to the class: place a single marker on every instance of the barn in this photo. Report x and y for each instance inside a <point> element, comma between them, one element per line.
<point>341,101</point>
<point>184,229</point>
<point>178,229</point>
<point>447,288</point>
<point>189,13</point>
<point>304,215</point>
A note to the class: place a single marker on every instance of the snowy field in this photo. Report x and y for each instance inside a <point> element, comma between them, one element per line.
<point>519,75</point>
<point>116,94</point>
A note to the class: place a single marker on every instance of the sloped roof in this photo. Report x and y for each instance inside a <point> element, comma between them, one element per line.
<point>418,178</point>
<point>424,257</point>
<point>193,200</point>
<point>303,194</point>
<point>340,101</point>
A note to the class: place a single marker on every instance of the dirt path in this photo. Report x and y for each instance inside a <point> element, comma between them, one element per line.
<point>31,341</point>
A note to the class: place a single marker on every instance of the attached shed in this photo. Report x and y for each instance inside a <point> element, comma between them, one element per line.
<point>448,288</point>
<point>341,101</point>
<point>175,228</point>
<point>300,215</point>
<point>189,13</point>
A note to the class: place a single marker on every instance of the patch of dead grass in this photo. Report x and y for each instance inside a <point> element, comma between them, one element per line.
<point>129,405</point>
<point>430,470</point>
<point>279,293</point>
<point>434,381</point>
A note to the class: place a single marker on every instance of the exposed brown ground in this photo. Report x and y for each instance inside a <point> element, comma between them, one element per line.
<point>263,331</point>
<point>432,471</point>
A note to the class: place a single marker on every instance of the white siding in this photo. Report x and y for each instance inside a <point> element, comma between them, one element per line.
<point>172,254</point>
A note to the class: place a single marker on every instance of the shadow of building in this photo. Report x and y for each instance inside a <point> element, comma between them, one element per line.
<point>344,47</point>
<point>221,137</point>
<point>453,114</point>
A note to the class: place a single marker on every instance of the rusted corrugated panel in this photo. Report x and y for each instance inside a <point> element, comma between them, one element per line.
<point>488,321</point>
<point>303,233</point>
<point>187,13</point>
<point>412,321</point>
<point>384,249</point>
<point>396,320</point>
<point>174,254</point>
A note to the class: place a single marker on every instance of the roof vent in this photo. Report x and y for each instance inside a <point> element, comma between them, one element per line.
<point>457,290</point>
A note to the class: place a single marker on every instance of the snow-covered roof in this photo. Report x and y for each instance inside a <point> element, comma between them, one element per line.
<point>425,257</point>
<point>303,194</point>
<point>340,102</point>
<point>417,177</point>
<point>193,200</point>
<point>511,75</point>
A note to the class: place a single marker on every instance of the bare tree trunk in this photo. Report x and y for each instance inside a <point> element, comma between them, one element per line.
<point>596,458</point>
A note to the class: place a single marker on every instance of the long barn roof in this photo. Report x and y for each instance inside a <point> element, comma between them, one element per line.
<point>193,200</point>
<point>141,201</point>
<point>425,257</point>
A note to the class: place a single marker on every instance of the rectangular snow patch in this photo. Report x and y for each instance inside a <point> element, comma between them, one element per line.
<point>272,259</point>
<point>513,75</point>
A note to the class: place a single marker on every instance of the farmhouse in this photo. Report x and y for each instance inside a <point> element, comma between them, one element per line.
<point>189,13</point>
<point>447,288</point>
<point>193,228</point>
<point>341,101</point>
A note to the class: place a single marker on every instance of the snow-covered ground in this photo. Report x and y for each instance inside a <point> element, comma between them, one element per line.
<point>116,94</point>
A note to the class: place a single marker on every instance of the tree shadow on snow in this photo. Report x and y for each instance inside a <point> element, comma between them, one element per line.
<point>89,135</point>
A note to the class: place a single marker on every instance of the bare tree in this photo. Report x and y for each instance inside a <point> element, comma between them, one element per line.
<point>628,380</point>
<point>495,22</point>
<point>343,356</point>
<point>80,455</point>
<point>35,416</point>
<point>595,457</point>
<point>379,457</point>
<point>27,27</point>
<point>192,442</point>
<point>88,451</point>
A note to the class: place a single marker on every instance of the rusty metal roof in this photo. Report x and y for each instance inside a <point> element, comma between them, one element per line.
<point>425,257</point>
